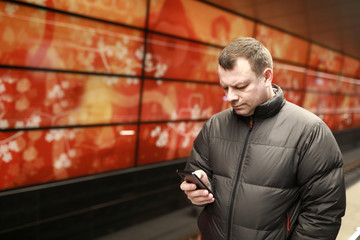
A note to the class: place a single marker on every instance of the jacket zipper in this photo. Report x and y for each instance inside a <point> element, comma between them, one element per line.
<point>239,173</point>
<point>287,226</point>
<point>288,222</point>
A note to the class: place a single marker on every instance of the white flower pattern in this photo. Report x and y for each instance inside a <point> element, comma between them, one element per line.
<point>62,162</point>
<point>6,149</point>
<point>11,8</point>
<point>162,135</point>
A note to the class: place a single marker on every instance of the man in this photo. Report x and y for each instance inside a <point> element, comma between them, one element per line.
<point>274,168</point>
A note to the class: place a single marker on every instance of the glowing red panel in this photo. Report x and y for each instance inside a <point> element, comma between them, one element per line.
<point>38,99</point>
<point>282,45</point>
<point>327,103</point>
<point>356,101</point>
<point>320,103</point>
<point>347,106</point>
<point>356,119</point>
<point>325,59</point>
<point>343,121</point>
<point>163,100</point>
<point>33,157</point>
<point>357,87</point>
<point>289,76</point>
<point>346,85</point>
<point>36,38</point>
<point>320,81</point>
<point>183,18</point>
<point>121,11</point>
<point>331,120</point>
<point>354,109</point>
<point>295,97</point>
<point>310,101</point>
<point>344,103</point>
<point>351,67</point>
<point>193,61</point>
<point>166,141</point>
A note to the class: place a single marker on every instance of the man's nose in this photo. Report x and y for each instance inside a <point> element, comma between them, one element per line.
<point>231,95</point>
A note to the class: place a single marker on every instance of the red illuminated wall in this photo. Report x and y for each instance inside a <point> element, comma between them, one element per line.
<point>94,86</point>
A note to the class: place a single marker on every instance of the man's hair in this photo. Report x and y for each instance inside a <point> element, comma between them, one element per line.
<point>249,48</point>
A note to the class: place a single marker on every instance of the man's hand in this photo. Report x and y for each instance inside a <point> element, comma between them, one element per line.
<point>198,196</point>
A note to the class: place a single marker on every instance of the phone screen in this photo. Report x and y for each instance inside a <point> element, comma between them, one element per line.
<point>193,178</point>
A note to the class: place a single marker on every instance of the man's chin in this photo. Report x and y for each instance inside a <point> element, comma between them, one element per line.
<point>243,113</point>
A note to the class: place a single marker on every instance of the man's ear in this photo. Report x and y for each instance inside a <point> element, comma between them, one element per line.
<point>268,75</point>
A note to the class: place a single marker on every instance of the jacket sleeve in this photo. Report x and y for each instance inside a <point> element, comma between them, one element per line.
<point>199,157</point>
<point>322,190</point>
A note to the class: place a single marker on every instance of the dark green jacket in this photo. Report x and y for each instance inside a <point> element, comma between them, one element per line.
<point>282,178</point>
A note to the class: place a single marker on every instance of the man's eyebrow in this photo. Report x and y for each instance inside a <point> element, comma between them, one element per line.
<point>240,84</point>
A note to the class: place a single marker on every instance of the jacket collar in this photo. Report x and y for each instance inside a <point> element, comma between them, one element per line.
<point>271,106</point>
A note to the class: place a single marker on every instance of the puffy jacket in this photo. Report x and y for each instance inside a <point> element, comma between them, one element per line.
<point>275,175</point>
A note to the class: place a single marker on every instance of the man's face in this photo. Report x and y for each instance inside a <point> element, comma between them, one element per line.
<point>242,88</point>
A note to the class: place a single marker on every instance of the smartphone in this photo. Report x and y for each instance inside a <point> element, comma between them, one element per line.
<point>191,177</point>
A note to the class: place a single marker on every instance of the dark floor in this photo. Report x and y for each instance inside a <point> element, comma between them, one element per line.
<point>178,225</point>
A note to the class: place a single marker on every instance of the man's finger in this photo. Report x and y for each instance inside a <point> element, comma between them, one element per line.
<point>202,200</point>
<point>185,186</point>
